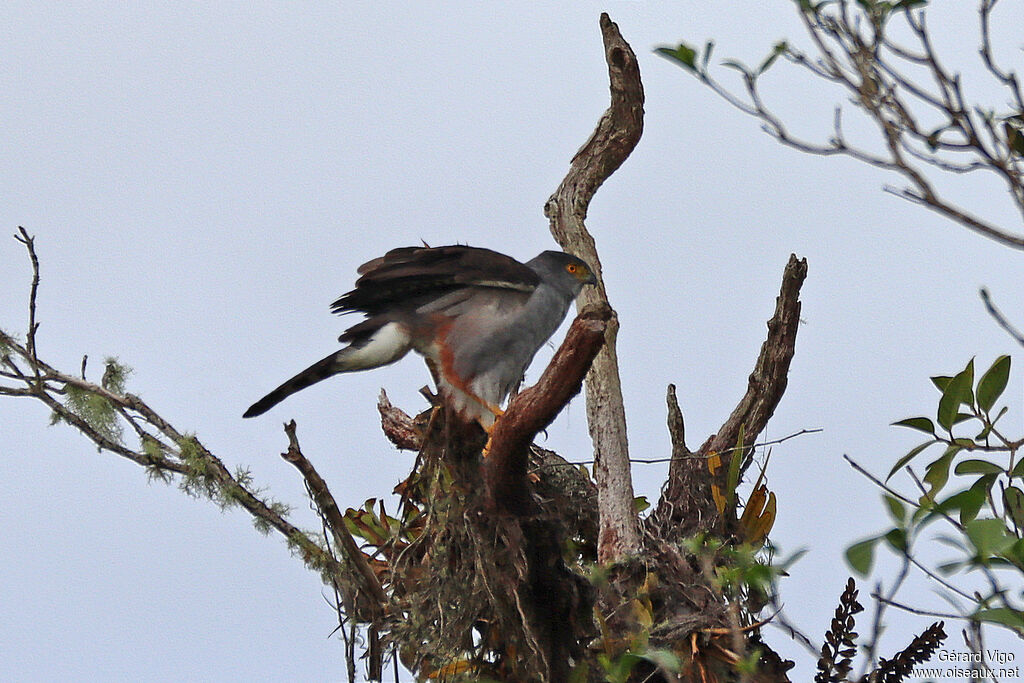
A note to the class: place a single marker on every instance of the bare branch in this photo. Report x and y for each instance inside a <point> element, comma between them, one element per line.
<point>915,610</point>
<point>617,134</point>
<point>46,383</point>
<point>1008,78</point>
<point>769,378</point>
<point>676,431</point>
<point>30,343</point>
<point>1000,319</point>
<point>689,455</point>
<point>686,503</point>
<point>878,482</point>
<point>324,500</point>
<point>856,52</point>
<point>881,603</point>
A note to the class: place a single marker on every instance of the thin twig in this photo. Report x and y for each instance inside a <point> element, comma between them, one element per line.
<point>881,603</point>
<point>1000,318</point>
<point>878,482</point>
<point>329,507</point>
<point>46,381</point>
<point>938,579</point>
<point>782,622</point>
<point>30,338</point>
<point>726,452</point>
<point>917,610</point>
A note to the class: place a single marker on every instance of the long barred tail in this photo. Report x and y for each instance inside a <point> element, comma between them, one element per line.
<point>320,370</point>
<point>377,346</point>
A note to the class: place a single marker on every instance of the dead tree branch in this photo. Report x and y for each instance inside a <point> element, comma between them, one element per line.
<point>98,411</point>
<point>615,137</point>
<point>768,381</point>
<point>686,503</point>
<point>399,428</point>
<point>33,326</point>
<point>324,500</point>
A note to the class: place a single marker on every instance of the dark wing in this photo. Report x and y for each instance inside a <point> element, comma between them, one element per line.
<point>410,277</point>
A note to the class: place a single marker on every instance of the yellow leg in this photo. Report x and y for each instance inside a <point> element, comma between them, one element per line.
<point>498,413</point>
<point>487,446</point>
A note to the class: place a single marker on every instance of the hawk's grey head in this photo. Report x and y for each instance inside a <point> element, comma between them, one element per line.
<point>565,272</point>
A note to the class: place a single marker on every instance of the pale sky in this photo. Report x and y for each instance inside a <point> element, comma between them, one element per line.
<point>203,180</point>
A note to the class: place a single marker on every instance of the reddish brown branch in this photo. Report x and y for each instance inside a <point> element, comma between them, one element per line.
<point>536,407</point>
<point>335,520</point>
<point>616,135</point>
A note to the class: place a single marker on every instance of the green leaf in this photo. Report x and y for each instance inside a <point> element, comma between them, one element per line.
<point>1013,499</point>
<point>955,542</point>
<point>950,568</point>
<point>963,417</point>
<point>1014,137</point>
<point>989,537</point>
<point>941,381</point>
<point>640,503</point>
<point>937,474</point>
<point>860,556</point>
<point>897,510</point>
<point>897,539</point>
<point>1016,553</point>
<point>914,452</point>
<point>976,497</point>
<point>993,383</point>
<point>967,502</point>
<point>921,424</point>
<point>580,672</point>
<point>977,467</point>
<point>1004,616</point>
<point>968,373</point>
<point>785,563</point>
<point>957,392</point>
<point>683,54</point>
